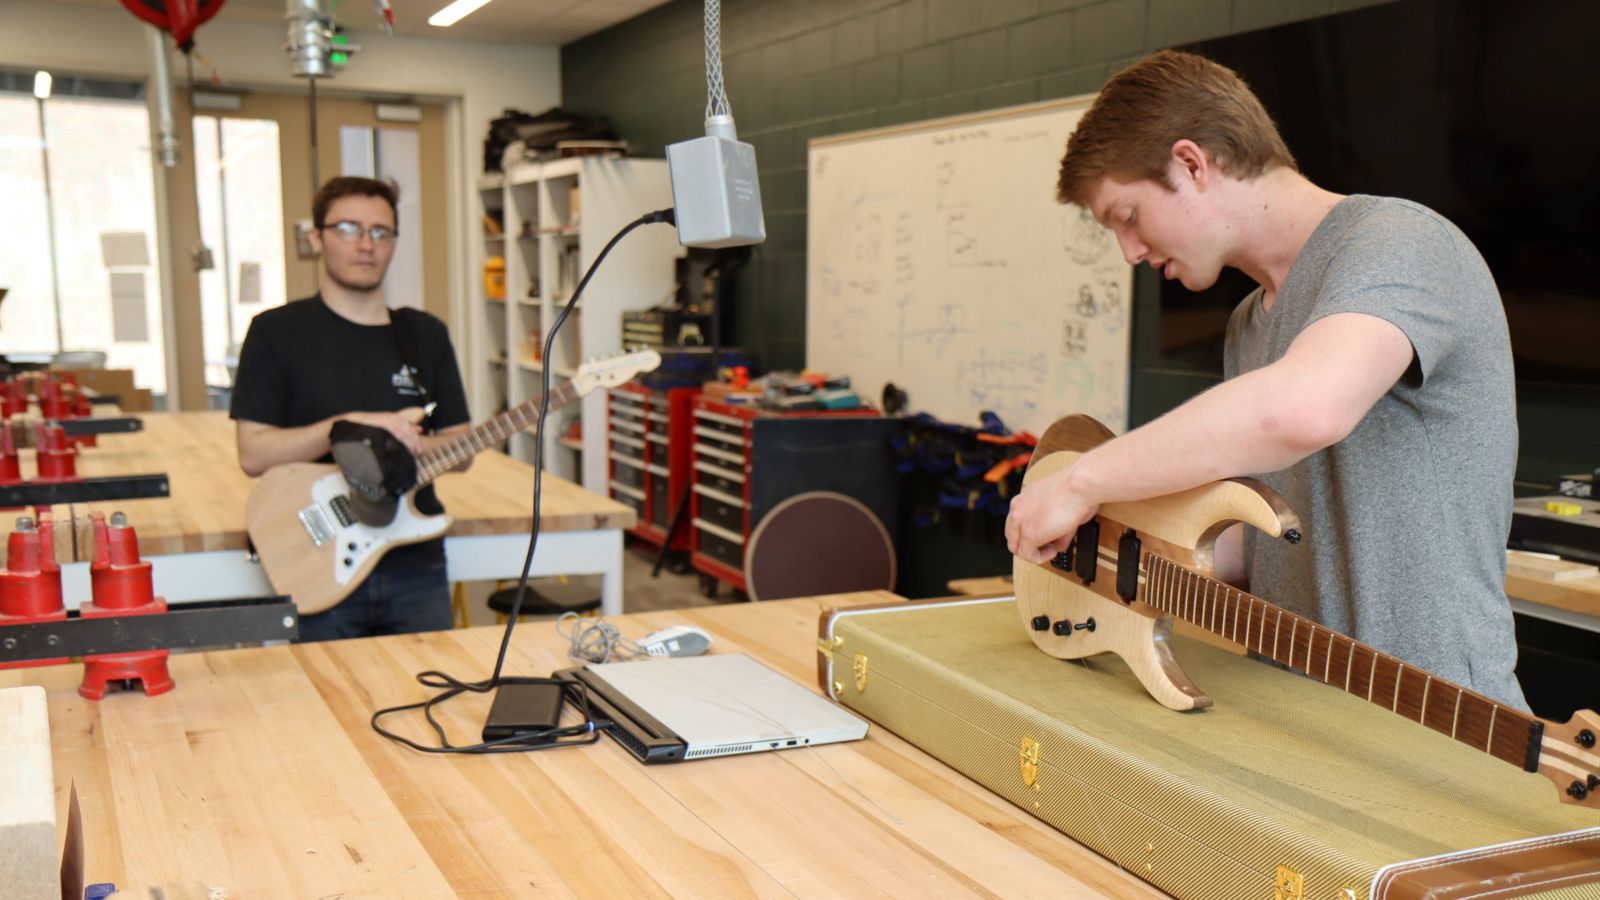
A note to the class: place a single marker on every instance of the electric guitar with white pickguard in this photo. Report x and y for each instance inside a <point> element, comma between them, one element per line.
<point>302,517</point>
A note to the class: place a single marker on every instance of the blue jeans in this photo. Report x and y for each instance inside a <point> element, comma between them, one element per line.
<point>407,592</point>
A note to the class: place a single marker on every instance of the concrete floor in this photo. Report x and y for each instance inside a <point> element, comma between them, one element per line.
<point>640,592</point>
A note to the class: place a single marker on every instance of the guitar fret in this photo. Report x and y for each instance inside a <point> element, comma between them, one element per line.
<point>1350,667</point>
<point>1197,594</point>
<point>1455,719</point>
<point>1277,629</point>
<point>1327,668</point>
<point>1372,678</point>
<point>1192,597</point>
<point>1399,675</point>
<point>1181,597</point>
<point>1294,629</point>
<point>1423,716</point>
<point>1261,640</point>
<point>1488,744</point>
<point>1237,596</point>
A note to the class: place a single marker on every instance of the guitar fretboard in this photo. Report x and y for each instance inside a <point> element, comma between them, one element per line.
<point>1503,732</point>
<point>433,463</point>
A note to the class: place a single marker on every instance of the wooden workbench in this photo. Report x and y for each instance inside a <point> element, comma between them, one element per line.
<point>206,510</point>
<point>258,775</point>
<point>200,529</point>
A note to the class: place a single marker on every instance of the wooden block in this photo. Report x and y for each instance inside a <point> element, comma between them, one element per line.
<point>28,865</point>
<point>1540,568</point>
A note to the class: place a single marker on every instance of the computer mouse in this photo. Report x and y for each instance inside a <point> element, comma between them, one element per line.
<point>677,640</point>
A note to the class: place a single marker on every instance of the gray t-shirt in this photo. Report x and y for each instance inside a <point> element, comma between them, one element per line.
<point>1405,520</point>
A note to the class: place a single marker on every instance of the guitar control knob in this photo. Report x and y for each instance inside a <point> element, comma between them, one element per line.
<point>351,547</point>
<point>1041,623</point>
<point>1063,628</point>
<point>1577,791</point>
<point>1586,739</point>
<point>1085,626</point>
<point>348,562</point>
<point>1063,560</point>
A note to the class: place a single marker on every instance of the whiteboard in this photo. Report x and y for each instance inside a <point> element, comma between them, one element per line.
<point>939,260</point>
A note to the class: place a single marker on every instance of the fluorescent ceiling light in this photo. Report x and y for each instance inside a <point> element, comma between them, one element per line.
<point>41,84</point>
<point>455,12</point>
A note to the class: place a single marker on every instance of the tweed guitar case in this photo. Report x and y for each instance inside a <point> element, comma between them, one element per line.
<point>1284,788</point>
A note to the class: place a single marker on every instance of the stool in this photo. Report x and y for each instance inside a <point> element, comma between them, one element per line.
<point>817,543</point>
<point>546,600</point>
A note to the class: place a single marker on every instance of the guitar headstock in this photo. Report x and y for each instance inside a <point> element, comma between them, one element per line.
<point>1569,755</point>
<point>613,370</point>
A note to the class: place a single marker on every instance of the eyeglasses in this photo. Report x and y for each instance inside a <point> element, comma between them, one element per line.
<point>351,231</point>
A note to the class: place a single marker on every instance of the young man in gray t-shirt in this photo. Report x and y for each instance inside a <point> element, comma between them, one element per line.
<point>1369,377</point>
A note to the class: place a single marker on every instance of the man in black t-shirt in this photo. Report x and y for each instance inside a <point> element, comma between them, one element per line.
<point>337,355</point>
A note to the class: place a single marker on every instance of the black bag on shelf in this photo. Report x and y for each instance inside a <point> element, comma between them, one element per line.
<point>540,133</point>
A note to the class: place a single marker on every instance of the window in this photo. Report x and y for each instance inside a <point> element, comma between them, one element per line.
<point>103,291</point>
<point>240,188</point>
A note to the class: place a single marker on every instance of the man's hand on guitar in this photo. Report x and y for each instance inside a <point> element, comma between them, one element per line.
<point>1045,516</point>
<point>403,425</point>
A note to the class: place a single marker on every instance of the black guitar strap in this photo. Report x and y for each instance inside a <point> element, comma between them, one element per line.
<point>407,342</point>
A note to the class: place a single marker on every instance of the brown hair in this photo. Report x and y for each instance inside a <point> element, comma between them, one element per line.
<point>353,186</point>
<point>1162,99</point>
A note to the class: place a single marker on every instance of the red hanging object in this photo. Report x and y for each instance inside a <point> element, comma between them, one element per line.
<point>181,17</point>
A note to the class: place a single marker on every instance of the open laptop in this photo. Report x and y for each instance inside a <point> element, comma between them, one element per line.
<point>678,708</point>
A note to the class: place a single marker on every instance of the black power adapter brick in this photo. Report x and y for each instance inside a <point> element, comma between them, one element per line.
<point>524,708</point>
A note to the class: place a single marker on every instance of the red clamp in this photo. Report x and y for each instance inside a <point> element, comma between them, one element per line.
<point>30,584</point>
<point>56,456</point>
<point>10,466</point>
<point>53,400</point>
<point>122,585</point>
<point>13,398</point>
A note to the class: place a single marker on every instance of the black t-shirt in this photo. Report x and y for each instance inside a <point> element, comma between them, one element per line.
<point>303,362</point>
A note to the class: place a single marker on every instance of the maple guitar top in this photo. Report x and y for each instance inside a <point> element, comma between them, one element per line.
<point>206,509</point>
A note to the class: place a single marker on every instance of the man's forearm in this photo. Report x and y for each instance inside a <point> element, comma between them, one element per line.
<point>261,447</point>
<point>1247,425</point>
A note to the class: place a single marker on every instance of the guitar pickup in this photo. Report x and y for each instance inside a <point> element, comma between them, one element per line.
<point>1088,551</point>
<point>316,525</point>
<point>341,509</point>
<point>1128,565</point>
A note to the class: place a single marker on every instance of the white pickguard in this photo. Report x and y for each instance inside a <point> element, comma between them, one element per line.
<point>355,543</point>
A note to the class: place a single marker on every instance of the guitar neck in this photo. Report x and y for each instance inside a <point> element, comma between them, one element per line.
<point>1302,645</point>
<point>433,463</point>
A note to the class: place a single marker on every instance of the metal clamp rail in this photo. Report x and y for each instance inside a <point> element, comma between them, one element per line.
<point>211,623</point>
<point>85,490</point>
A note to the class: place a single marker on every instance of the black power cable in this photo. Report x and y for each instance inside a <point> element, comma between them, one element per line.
<point>589,731</point>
